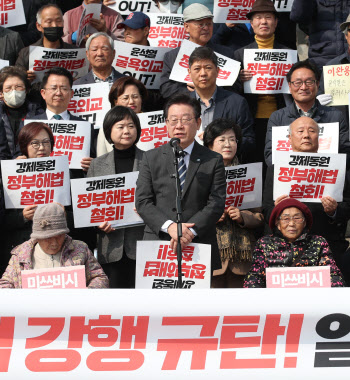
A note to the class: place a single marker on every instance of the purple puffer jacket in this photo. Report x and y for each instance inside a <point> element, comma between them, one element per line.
<point>74,252</point>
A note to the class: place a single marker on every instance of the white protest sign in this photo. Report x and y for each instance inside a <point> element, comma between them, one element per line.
<point>11,13</point>
<point>244,186</point>
<point>72,139</point>
<point>308,177</point>
<point>228,73</point>
<point>156,266</point>
<point>4,63</point>
<point>235,11</point>
<point>90,102</point>
<point>283,5</point>
<point>43,59</point>
<point>35,181</point>
<point>127,6</point>
<point>154,132</point>
<point>71,277</point>
<point>167,30</point>
<point>105,199</point>
<point>328,139</point>
<point>144,63</point>
<point>298,277</point>
<point>269,68</point>
<point>90,11</point>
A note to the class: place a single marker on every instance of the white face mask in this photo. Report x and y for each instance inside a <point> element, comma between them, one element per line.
<point>168,6</point>
<point>14,98</point>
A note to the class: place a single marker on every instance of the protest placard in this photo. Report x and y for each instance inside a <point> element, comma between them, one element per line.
<point>90,102</point>
<point>11,13</point>
<point>4,63</point>
<point>328,139</point>
<point>167,30</point>
<point>228,73</point>
<point>309,176</point>
<point>105,199</point>
<point>235,11</point>
<point>300,277</point>
<point>72,277</point>
<point>35,181</point>
<point>244,186</point>
<point>43,59</point>
<point>90,11</point>
<point>157,267</point>
<point>72,139</point>
<point>144,63</point>
<point>336,79</point>
<point>269,68</point>
<point>125,7</point>
<point>154,132</point>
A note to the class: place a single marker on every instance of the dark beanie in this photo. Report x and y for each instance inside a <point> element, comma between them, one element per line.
<point>286,203</point>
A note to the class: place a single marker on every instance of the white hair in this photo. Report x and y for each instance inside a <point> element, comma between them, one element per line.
<point>38,15</point>
<point>98,34</point>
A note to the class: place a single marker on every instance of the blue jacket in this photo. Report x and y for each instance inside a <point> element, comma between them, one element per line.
<point>321,19</point>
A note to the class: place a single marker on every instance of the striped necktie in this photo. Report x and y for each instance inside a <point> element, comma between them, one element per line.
<point>57,117</point>
<point>182,171</point>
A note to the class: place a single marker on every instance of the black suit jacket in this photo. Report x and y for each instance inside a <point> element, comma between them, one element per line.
<point>230,105</point>
<point>89,77</point>
<point>203,197</point>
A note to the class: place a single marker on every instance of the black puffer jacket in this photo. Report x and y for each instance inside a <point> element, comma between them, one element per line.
<point>320,19</point>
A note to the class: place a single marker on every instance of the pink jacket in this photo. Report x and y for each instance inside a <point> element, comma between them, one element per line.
<point>71,21</point>
<point>74,252</point>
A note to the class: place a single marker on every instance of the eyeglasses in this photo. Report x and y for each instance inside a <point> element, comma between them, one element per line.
<point>230,141</point>
<point>18,87</point>
<point>36,143</point>
<point>308,83</point>
<point>54,89</point>
<point>183,121</point>
<point>125,98</point>
<point>202,25</point>
<point>297,219</point>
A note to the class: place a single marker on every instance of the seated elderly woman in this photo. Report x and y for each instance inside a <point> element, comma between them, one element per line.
<point>51,247</point>
<point>235,229</point>
<point>290,245</point>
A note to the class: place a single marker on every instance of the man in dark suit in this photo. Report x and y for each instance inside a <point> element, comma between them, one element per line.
<point>215,101</point>
<point>204,187</point>
<point>57,93</point>
<point>198,23</point>
<point>100,53</point>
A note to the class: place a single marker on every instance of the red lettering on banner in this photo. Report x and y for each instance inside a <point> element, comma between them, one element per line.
<point>7,329</point>
<point>139,331</point>
<point>199,347</point>
<point>34,361</point>
<point>97,360</point>
<point>56,327</point>
<point>268,340</point>
<point>93,329</point>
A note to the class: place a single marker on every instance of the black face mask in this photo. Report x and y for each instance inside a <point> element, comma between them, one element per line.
<point>53,33</point>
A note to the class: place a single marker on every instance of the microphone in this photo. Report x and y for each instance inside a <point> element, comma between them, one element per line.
<point>175,143</point>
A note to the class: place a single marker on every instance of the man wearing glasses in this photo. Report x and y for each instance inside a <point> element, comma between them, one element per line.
<point>202,179</point>
<point>57,93</point>
<point>303,79</point>
<point>198,23</point>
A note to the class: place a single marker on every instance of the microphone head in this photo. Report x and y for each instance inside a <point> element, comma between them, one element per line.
<point>174,141</point>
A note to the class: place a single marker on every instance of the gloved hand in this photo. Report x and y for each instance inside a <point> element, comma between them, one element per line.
<point>324,99</point>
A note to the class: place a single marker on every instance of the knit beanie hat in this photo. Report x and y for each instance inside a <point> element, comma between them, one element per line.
<point>286,203</point>
<point>49,221</point>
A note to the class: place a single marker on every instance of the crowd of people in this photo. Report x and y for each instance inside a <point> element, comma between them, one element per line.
<point>217,127</point>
